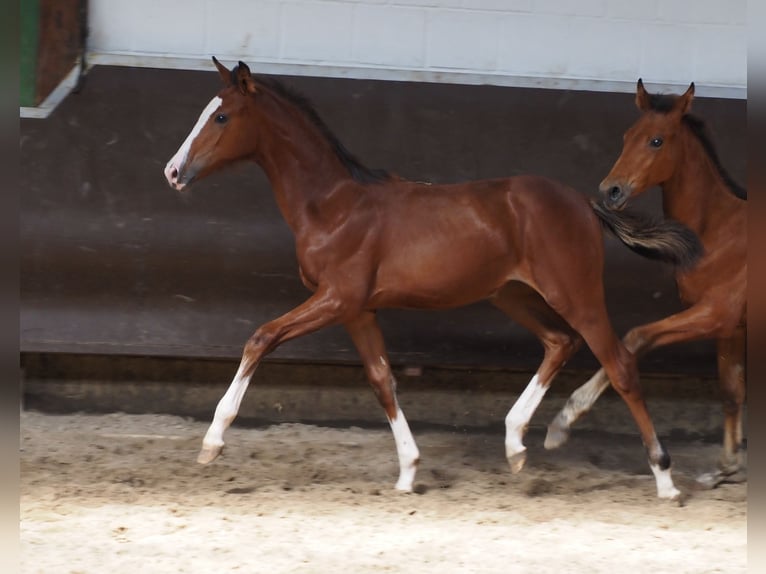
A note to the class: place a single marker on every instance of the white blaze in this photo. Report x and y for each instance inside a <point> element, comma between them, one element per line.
<point>173,167</point>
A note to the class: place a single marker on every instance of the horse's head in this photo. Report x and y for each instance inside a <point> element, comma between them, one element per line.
<point>650,146</point>
<point>221,134</point>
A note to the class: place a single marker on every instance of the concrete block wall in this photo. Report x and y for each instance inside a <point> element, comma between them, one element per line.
<point>591,44</point>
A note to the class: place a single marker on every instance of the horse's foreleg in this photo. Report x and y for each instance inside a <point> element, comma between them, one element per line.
<point>579,403</point>
<point>320,310</point>
<point>731,372</point>
<point>365,332</point>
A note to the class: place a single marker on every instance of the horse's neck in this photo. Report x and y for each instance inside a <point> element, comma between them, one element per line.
<point>696,194</point>
<point>302,168</point>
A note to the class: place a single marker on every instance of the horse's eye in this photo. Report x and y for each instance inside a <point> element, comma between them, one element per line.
<point>656,142</point>
<point>221,118</point>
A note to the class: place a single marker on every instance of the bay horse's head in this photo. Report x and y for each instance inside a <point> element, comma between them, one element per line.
<point>222,134</point>
<point>650,146</point>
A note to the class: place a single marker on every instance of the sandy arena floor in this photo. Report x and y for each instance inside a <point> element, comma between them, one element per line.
<point>123,494</point>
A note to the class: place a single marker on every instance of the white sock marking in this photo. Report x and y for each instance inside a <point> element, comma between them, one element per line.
<point>227,409</point>
<point>177,161</point>
<point>518,417</point>
<point>407,451</point>
<point>665,486</point>
<point>582,399</point>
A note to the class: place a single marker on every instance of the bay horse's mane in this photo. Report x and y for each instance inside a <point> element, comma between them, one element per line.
<point>663,103</point>
<point>359,172</point>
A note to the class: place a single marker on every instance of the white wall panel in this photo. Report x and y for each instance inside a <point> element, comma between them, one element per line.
<point>580,44</point>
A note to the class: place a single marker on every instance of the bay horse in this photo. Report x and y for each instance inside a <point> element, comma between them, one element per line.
<point>366,240</point>
<point>669,147</point>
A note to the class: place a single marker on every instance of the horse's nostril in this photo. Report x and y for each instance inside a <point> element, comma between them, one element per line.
<point>174,173</point>
<point>614,193</point>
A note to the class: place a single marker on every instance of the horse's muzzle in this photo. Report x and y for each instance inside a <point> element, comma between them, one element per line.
<point>615,194</point>
<point>178,178</point>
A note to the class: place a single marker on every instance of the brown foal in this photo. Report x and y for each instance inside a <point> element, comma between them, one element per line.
<point>366,240</point>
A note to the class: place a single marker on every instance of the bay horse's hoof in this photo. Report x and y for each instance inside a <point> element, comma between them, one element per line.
<point>672,494</point>
<point>556,436</point>
<point>209,453</point>
<point>517,460</point>
<point>711,480</point>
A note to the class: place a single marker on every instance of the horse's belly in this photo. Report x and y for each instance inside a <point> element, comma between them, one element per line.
<point>437,285</point>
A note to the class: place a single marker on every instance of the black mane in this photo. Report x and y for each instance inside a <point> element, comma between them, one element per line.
<point>663,103</point>
<point>359,172</point>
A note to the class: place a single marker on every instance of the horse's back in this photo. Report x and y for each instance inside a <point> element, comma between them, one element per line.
<point>444,245</point>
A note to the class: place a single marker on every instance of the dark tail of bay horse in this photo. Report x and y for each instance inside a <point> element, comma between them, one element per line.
<point>664,240</point>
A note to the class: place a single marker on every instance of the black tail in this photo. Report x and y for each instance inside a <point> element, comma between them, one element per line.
<point>665,240</point>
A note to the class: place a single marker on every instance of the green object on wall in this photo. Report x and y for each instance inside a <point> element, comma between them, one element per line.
<point>30,34</point>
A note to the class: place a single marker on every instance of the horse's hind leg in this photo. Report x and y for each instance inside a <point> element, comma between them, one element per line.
<point>529,309</point>
<point>620,367</point>
<point>731,371</point>
<point>365,332</point>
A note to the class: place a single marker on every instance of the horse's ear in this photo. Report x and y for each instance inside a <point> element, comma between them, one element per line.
<point>223,70</point>
<point>245,81</point>
<point>684,102</point>
<point>642,97</point>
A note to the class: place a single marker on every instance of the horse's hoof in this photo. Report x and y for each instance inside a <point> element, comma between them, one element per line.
<point>209,453</point>
<point>403,487</point>
<point>711,480</point>
<point>517,460</point>
<point>673,495</point>
<point>556,436</point>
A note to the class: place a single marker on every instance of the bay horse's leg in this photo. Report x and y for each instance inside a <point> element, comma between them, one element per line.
<point>526,307</point>
<point>588,316</point>
<point>318,311</point>
<point>731,372</point>
<point>367,337</point>
<point>697,322</point>
<point>579,403</point>
<point>620,367</point>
